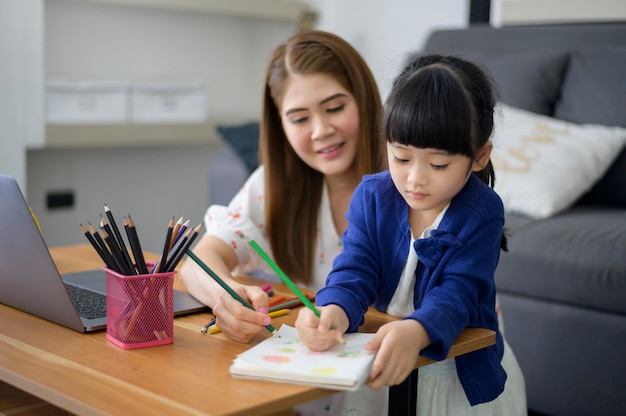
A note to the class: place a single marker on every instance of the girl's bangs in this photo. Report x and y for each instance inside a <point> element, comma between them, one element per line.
<point>428,111</point>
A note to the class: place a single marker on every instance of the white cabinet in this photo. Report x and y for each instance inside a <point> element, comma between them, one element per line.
<point>222,45</point>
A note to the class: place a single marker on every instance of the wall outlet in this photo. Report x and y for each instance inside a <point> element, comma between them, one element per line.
<point>59,200</point>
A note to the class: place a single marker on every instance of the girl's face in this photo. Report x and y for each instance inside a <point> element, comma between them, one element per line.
<point>428,179</point>
<point>321,121</point>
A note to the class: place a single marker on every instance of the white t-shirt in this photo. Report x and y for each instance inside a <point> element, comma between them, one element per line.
<point>244,218</point>
<point>401,303</point>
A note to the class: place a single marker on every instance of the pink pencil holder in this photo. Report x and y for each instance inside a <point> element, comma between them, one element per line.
<point>140,309</point>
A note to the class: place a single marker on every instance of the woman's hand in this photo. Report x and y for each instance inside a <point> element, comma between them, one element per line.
<point>235,320</point>
<point>316,333</point>
<point>238,322</point>
<point>398,344</point>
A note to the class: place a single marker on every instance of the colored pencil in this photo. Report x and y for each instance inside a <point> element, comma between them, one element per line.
<point>288,304</point>
<point>275,300</point>
<point>225,286</point>
<point>211,328</point>
<point>183,228</point>
<point>268,289</point>
<point>182,248</point>
<point>176,249</point>
<point>286,280</point>
<point>214,329</point>
<point>205,328</point>
<point>175,236</point>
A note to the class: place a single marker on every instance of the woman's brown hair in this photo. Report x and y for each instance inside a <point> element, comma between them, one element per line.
<point>293,189</point>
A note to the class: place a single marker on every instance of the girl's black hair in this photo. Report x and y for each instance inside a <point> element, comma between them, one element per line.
<point>442,102</point>
<point>446,103</point>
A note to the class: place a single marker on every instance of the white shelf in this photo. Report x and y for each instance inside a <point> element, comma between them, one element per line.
<point>129,135</point>
<point>286,10</point>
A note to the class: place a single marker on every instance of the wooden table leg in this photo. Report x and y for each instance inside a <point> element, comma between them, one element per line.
<point>403,397</point>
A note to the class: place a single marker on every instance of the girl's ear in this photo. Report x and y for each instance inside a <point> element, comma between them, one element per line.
<point>482,157</point>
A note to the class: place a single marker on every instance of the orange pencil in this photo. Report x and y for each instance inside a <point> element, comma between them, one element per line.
<point>290,303</point>
<point>276,299</point>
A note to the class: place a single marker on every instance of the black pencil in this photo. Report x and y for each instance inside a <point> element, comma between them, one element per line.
<point>183,247</point>
<point>115,251</point>
<point>105,249</point>
<point>118,236</point>
<point>162,262</point>
<point>96,246</point>
<point>135,245</point>
<point>175,251</point>
<point>114,247</point>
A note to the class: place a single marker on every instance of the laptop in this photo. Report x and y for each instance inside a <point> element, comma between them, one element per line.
<point>31,282</point>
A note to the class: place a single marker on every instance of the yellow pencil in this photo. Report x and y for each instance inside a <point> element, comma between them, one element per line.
<point>279,312</point>
<point>214,329</point>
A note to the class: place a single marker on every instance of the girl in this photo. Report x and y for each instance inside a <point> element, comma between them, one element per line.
<point>423,242</point>
<point>319,136</point>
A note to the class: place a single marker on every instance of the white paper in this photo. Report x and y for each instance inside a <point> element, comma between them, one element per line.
<point>287,359</point>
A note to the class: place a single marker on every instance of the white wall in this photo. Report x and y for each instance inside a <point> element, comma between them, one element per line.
<point>384,31</point>
<point>21,83</point>
<point>151,184</point>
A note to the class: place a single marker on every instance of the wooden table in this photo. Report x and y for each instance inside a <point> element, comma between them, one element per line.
<point>86,374</point>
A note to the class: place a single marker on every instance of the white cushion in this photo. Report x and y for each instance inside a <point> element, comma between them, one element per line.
<point>543,165</point>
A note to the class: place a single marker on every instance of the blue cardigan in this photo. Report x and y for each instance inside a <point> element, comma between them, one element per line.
<point>454,286</point>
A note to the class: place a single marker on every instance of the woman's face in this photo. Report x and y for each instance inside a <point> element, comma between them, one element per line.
<point>321,121</point>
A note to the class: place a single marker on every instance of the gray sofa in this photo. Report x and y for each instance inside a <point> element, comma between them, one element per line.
<point>562,285</point>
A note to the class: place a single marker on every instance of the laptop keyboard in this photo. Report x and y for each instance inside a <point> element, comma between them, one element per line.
<point>88,304</point>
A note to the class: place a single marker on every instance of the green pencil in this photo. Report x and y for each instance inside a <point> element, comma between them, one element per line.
<point>226,287</point>
<point>286,280</point>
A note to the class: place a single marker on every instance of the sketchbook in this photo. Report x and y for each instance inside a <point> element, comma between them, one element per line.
<point>286,359</point>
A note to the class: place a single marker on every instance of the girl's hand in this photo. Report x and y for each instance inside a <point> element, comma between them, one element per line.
<point>238,322</point>
<point>398,344</point>
<point>315,332</point>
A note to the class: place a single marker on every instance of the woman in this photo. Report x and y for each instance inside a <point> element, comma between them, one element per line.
<point>318,137</point>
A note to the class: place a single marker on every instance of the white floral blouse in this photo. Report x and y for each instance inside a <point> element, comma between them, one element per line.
<point>244,218</point>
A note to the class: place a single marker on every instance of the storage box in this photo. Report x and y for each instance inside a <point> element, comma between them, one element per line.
<point>140,309</point>
<point>169,102</point>
<point>82,102</point>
